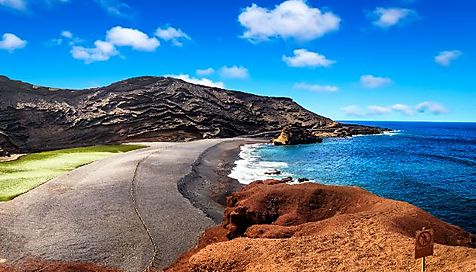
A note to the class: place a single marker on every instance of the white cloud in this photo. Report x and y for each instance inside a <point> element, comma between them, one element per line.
<point>205,72</point>
<point>115,7</point>
<point>353,110</point>
<point>291,19</point>
<point>305,58</point>
<point>101,52</point>
<point>115,37</point>
<point>431,107</point>
<point>372,82</point>
<point>11,42</point>
<point>234,72</point>
<point>121,36</point>
<point>378,110</point>
<point>67,34</point>
<point>315,87</point>
<point>444,58</point>
<point>423,107</point>
<point>199,81</point>
<point>15,4</point>
<point>387,17</point>
<point>174,35</point>
<point>404,109</point>
<point>22,5</point>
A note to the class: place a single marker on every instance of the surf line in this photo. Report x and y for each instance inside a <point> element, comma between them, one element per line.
<point>132,195</point>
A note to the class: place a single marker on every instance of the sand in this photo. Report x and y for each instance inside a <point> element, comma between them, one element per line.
<point>88,216</point>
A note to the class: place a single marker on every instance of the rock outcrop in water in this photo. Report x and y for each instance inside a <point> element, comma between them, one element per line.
<point>294,135</point>
<point>314,227</point>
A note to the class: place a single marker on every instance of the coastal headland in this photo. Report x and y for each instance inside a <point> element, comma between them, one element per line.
<point>145,210</point>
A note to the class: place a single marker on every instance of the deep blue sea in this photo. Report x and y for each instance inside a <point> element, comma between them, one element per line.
<point>431,165</point>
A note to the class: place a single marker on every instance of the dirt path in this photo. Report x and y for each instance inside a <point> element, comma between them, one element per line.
<point>124,212</point>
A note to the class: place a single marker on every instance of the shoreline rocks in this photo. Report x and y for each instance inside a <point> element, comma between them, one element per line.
<point>273,172</point>
<point>314,227</point>
<point>294,135</point>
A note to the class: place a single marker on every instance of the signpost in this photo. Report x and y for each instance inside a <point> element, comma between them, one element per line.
<point>423,245</point>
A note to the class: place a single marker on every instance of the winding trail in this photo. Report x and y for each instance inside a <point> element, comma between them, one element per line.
<point>124,212</point>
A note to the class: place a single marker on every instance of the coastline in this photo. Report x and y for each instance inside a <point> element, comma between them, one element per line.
<point>208,185</point>
<point>113,232</point>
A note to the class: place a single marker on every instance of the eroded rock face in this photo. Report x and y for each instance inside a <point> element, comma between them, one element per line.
<point>312,227</point>
<point>36,118</point>
<point>294,135</point>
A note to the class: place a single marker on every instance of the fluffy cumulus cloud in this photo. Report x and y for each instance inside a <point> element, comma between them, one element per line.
<point>292,19</point>
<point>101,51</point>
<point>205,72</point>
<point>174,35</point>
<point>11,42</point>
<point>138,40</point>
<point>116,37</point>
<point>432,107</point>
<point>238,72</point>
<point>444,58</point>
<point>315,87</point>
<point>387,17</point>
<point>199,81</point>
<point>427,106</point>
<point>305,58</point>
<point>372,82</point>
<point>15,4</point>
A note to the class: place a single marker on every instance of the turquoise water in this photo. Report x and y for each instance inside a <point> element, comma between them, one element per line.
<point>431,165</point>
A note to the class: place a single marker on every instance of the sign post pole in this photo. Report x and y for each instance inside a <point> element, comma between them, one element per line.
<point>423,246</point>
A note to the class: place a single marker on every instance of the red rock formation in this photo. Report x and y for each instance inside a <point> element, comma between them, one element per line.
<point>313,227</point>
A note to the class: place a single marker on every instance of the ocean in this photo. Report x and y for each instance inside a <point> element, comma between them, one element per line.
<point>430,165</point>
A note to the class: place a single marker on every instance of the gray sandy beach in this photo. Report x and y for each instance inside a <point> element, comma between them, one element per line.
<point>125,211</point>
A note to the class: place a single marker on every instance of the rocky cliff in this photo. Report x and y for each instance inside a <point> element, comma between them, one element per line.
<point>272,226</point>
<point>34,118</point>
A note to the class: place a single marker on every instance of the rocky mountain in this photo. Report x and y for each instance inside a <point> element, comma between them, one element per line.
<point>34,118</point>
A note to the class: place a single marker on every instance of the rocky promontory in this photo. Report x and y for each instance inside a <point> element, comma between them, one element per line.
<point>35,118</point>
<point>273,226</point>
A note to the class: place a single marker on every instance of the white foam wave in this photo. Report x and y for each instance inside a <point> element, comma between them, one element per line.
<point>385,133</point>
<point>392,132</point>
<point>250,167</point>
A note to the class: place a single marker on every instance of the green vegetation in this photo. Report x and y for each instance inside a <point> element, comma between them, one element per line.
<point>19,176</point>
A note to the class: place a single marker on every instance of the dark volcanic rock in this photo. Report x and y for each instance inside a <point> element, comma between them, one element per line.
<point>4,153</point>
<point>295,134</point>
<point>272,172</point>
<point>36,118</point>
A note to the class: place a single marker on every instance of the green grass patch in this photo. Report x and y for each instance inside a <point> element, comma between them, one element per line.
<point>20,176</point>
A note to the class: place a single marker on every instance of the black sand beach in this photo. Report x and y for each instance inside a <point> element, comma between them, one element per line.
<point>87,216</point>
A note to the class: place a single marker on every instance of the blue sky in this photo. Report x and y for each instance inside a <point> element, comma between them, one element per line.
<point>346,59</point>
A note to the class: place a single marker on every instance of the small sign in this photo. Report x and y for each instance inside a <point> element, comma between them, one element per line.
<point>424,243</point>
